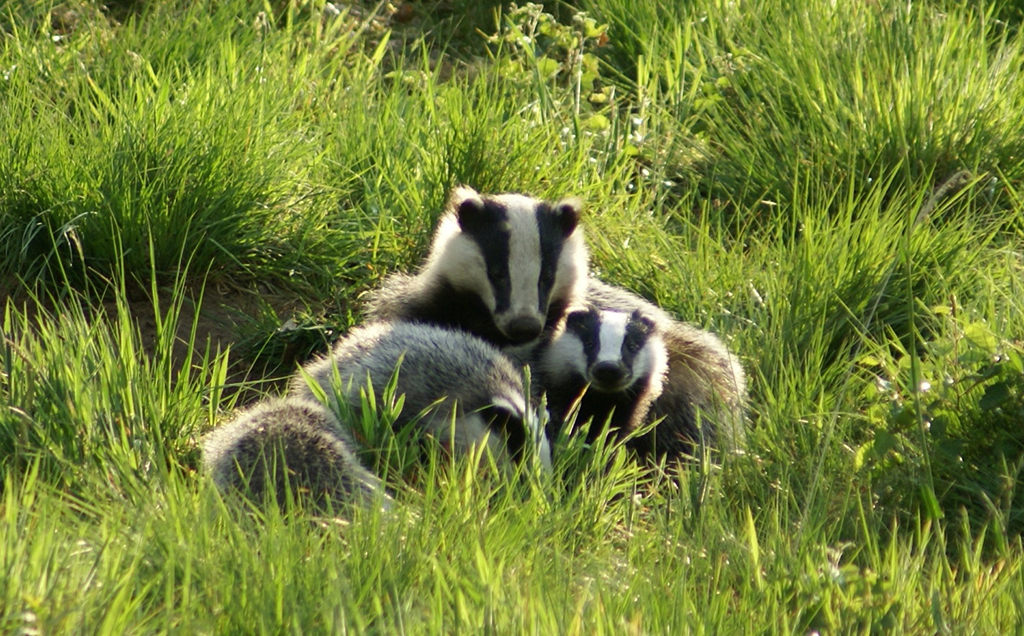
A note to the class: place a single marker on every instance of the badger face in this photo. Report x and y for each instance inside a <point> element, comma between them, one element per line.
<point>613,350</point>
<point>523,258</point>
<point>508,431</point>
<point>519,431</point>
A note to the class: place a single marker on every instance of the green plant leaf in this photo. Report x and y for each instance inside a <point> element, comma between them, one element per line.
<point>981,336</point>
<point>883,443</point>
<point>996,395</point>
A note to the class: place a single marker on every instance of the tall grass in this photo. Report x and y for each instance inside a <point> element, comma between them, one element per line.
<point>772,95</point>
<point>769,171</point>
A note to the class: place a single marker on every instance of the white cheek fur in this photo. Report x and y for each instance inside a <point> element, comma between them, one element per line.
<point>653,363</point>
<point>465,268</point>
<point>564,356</point>
<point>570,275</point>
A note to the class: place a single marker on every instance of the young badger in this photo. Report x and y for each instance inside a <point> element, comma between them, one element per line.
<point>442,371</point>
<point>502,267</point>
<point>289,443</point>
<point>702,388</point>
<point>618,354</point>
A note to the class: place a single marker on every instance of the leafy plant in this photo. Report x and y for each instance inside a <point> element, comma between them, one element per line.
<point>948,420</point>
<point>551,53</point>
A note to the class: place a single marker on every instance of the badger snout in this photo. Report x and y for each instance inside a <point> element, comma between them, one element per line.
<point>524,329</point>
<point>609,375</point>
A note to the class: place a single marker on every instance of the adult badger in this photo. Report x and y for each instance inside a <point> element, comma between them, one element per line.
<point>291,444</point>
<point>503,267</point>
<point>700,393</point>
<point>443,373</point>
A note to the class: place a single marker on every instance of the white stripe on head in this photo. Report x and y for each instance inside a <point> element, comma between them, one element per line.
<point>516,407</point>
<point>447,229</point>
<point>455,257</point>
<point>536,437</point>
<point>524,256</point>
<point>611,336</point>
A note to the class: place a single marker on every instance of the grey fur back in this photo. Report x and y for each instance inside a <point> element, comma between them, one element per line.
<point>289,444</point>
<point>450,370</point>
<point>395,298</point>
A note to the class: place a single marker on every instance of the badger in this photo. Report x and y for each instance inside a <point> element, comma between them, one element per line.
<point>468,392</point>
<point>502,267</point>
<point>610,362</point>
<point>700,399</point>
<point>290,443</point>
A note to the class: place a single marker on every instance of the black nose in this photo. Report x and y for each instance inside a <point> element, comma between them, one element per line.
<point>524,329</point>
<point>608,374</point>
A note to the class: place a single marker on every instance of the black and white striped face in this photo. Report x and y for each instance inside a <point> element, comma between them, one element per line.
<point>524,258</point>
<point>519,432</point>
<point>612,350</point>
<point>508,434</point>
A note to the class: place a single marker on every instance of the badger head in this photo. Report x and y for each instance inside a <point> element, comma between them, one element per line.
<point>510,434</point>
<point>611,350</point>
<point>522,257</point>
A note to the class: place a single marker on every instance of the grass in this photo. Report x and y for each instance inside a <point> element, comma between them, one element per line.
<point>835,189</point>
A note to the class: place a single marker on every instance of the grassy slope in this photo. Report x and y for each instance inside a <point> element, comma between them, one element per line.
<point>756,170</point>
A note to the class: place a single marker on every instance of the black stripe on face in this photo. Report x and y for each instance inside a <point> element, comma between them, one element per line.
<point>586,326</point>
<point>638,331</point>
<point>490,229</point>
<point>553,225</point>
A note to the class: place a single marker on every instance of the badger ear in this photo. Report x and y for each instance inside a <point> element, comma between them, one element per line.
<point>578,316</point>
<point>643,320</point>
<point>568,211</point>
<point>467,205</point>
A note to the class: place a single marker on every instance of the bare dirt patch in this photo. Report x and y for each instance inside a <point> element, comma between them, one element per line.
<point>226,319</point>
<point>252,325</point>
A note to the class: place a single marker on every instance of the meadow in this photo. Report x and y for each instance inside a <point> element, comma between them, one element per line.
<point>194,196</point>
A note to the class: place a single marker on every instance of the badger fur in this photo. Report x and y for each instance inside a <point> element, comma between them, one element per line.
<point>611,362</point>
<point>703,392</point>
<point>443,373</point>
<point>503,267</point>
<point>289,444</point>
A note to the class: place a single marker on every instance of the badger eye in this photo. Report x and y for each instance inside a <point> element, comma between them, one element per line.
<point>589,344</point>
<point>632,345</point>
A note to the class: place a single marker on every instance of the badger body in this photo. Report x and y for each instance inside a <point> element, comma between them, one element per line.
<point>289,444</point>
<point>703,390</point>
<point>502,267</point>
<point>611,363</point>
<point>467,391</point>
<point>702,400</point>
